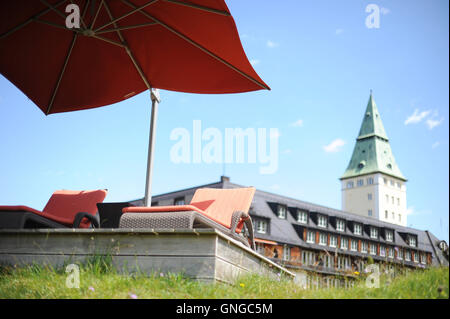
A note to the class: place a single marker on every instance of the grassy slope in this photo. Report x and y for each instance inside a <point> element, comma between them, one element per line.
<point>99,281</point>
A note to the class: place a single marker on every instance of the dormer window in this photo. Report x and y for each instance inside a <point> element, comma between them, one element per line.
<point>340,225</point>
<point>282,210</point>
<point>374,232</point>
<point>261,226</point>
<point>179,201</point>
<point>302,217</point>
<point>412,241</point>
<point>357,229</point>
<point>322,221</point>
<point>389,235</point>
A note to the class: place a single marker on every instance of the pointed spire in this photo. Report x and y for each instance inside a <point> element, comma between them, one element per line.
<point>372,124</point>
<point>372,152</point>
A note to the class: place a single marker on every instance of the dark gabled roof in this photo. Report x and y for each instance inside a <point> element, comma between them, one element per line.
<point>283,231</point>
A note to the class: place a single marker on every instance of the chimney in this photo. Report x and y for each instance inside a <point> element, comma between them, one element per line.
<point>224,179</point>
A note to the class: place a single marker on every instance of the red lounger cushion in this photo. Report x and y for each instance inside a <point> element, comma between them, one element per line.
<point>64,205</point>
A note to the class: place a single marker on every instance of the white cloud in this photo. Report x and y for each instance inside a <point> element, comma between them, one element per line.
<point>271,44</point>
<point>339,31</point>
<point>417,117</point>
<point>435,144</point>
<point>254,62</point>
<point>385,10</point>
<point>412,211</point>
<point>433,123</point>
<point>334,146</point>
<point>297,123</point>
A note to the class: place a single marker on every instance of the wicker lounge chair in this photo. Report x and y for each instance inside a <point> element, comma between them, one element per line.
<point>223,209</point>
<point>73,209</point>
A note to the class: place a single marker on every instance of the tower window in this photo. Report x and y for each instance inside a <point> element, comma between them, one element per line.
<point>370,180</point>
<point>360,182</point>
<point>369,196</point>
<point>369,212</point>
<point>386,214</point>
<point>350,184</point>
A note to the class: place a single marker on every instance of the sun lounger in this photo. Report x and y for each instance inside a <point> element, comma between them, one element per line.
<point>76,209</point>
<point>223,209</point>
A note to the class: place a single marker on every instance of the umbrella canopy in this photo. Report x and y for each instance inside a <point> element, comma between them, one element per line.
<point>121,48</point>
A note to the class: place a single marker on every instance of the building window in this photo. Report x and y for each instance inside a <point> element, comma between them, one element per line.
<point>369,196</point>
<point>399,253</point>
<point>382,251</point>
<point>360,182</point>
<point>423,258</point>
<point>261,226</point>
<point>179,201</point>
<point>385,181</point>
<point>260,248</point>
<point>398,201</point>
<point>281,213</point>
<point>302,217</point>
<point>322,221</point>
<point>373,232</point>
<point>399,185</point>
<point>344,243</point>
<point>322,239</point>
<point>370,180</point>
<point>387,199</point>
<point>408,255</point>
<point>357,229</point>
<point>392,200</point>
<point>364,247</point>
<point>373,249</point>
<point>412,241</point>
<point>416,257</point>
<point>389,235</point>
<point>392,182</point>
<point>393,216</point>
<point>391,252</point>
<point>287,253</point>
<point>340,225</point>
<point>369,212</point>
<point>333,240</point>
<point>399,217</point>
<point>350,184</point>
<point>310,237</point>
<point>354,245</point>
<point>386,214</point>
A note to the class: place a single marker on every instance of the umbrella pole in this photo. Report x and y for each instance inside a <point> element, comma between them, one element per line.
<point>154,96</point>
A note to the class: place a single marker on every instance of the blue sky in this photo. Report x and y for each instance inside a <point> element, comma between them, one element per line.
<point>320,60</point>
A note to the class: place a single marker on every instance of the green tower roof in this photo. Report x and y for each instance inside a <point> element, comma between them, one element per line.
<point>372,152</point>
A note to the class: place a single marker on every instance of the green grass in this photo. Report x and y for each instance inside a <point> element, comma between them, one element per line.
<point>99,280</point>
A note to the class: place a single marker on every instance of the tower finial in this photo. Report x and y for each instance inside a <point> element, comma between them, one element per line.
<point>370,92</point>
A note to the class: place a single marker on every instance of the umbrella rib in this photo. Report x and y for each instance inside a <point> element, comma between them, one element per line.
<point>199,46</point>
<point>130,54</point>
<point>54,9</point>
<point>55,25</point>
<point>125,15</point>
<point>109,41</point>
<point>96,15</point>
<point>128,27</point>
<point>55,91</point>
<point>23,24</point>
<point>196,6</point>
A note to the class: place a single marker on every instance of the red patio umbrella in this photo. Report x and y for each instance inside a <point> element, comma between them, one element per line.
<point>121,48</point>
